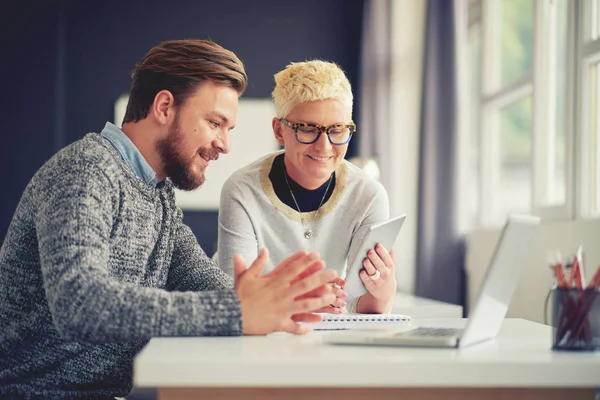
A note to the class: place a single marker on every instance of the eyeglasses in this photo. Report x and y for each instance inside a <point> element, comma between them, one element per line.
<point>337,134</point>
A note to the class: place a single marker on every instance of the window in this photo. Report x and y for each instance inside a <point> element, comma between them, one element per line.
<point>520,109</point>
<point>553,191</point>
<point>590,149</point>
<point>595,132</point>
<point>594,19</point>
<point>589,132</point>
<point>472,174</point>
<point>507,121</point>
<point>593,138</point>
<point>515,37</point>
<point>516,142</point>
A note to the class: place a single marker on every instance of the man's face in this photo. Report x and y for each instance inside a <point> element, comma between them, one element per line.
<point>198,134</point>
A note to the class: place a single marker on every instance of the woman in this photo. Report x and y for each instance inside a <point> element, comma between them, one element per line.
<point>307,196</point>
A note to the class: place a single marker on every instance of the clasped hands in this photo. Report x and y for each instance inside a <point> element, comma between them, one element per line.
<point>288,296</point>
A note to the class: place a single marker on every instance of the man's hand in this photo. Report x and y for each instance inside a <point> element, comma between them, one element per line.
<point>287,295</point>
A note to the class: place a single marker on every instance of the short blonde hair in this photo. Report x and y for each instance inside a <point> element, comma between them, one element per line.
<point>306,81</point>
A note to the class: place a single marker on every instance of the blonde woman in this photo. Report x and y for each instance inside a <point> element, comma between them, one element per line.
<point>307,197</point>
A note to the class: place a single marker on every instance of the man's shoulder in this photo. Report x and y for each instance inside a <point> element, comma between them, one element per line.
<point>86,161</point>
<point>90,148</point>
<point>88,154</point>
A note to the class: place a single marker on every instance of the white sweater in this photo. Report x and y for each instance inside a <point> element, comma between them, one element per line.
<point>251,216</point>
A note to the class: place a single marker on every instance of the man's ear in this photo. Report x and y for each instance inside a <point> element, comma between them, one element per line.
<point>163,107</point>
<point>278,130</point>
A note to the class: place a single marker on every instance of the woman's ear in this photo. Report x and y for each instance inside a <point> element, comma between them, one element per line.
<point>278,130</point>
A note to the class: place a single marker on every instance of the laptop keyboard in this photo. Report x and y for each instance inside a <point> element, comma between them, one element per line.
<point>432,332</point>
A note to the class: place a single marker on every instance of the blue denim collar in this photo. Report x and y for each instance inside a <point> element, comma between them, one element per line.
<point>130,153</point>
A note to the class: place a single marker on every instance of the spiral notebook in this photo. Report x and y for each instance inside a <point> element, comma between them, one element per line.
<point>361,321</point>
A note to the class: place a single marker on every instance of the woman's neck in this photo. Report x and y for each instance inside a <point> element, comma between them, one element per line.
<point>303,180</point>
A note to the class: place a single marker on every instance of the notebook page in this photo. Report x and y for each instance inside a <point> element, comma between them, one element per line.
<point>361,321</point>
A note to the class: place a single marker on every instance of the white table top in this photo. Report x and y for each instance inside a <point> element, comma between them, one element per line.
<point>420,307</point>
<point>519,357</point>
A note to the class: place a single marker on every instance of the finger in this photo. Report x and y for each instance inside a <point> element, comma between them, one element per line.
<point>330,310</point>
<point>368,266</point>
<point>306,273</point>
<point>259,264</point>
<point>323,290</point>
<point>282,266</point>
<point>300,265</point>
<point>312,282</point>
<point>338,303</point>
<point>339,293</point>
<point>376,260</point>
<point>307,317</point>
<point>318,292</point>
<point>393,257</point>
<point>296,329</point>
<point>309,305</point>
<point>367,281</point>
<point>334,307</point>
<point>384,255</point>
<point>239,267</point>
<point>339,282</point>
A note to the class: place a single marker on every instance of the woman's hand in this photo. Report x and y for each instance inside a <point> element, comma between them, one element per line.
<point>379,278</point>
<point>340,296</point>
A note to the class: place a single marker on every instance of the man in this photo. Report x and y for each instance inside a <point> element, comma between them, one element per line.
<point>97,259</point>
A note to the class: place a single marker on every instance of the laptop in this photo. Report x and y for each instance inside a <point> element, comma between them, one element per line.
<point>503,273</point>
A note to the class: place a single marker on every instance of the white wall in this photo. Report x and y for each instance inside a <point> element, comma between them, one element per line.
<point>537,278</point>
<point>251,139</point>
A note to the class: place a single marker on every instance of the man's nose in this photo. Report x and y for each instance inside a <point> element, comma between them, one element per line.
<point>221,143</point>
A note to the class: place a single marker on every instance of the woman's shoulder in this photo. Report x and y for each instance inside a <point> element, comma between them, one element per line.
<point>358,180</point>
<point>249,175</point>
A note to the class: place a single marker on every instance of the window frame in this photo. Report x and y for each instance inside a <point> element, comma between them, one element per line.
<point>588,40</point>
<point>539,82</point>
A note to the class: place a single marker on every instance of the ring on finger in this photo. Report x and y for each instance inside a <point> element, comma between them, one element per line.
<point>376,275</point>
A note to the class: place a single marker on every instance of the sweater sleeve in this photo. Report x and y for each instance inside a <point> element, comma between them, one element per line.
<point>377,211</point>
<point>191,269</point>
<point>236,231</point>
<point>74,221</point>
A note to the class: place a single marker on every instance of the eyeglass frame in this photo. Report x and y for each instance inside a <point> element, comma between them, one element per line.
<point>320,128</point>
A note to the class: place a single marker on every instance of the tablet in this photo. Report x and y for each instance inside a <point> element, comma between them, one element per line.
<point>384,233</point>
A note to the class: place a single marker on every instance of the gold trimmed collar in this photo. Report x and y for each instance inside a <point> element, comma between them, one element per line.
<point>294,215</point>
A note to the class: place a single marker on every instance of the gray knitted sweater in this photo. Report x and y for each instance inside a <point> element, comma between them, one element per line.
<point>95,263</point>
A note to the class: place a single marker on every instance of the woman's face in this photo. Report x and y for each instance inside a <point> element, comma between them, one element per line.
<point>311,165</point>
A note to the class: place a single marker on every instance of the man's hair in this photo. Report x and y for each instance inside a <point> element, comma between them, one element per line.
<point>179,66</point>
<point>306,81</point>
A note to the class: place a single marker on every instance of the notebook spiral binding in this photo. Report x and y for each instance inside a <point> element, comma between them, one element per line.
<point>367,318</point>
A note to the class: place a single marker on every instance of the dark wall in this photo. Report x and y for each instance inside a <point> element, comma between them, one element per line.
<point>73,61</point>
<point>28,72</point>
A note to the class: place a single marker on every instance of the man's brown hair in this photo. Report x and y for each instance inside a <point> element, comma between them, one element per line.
<point>179,66</point>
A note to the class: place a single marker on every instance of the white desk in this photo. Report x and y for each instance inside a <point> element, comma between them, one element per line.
<point>420,307</point>
<point>517,364</point>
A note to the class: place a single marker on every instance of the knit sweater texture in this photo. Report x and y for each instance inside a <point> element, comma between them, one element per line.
<point>94,264</point>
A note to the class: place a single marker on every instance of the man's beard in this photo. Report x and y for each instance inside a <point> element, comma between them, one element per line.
<point>176,165</point>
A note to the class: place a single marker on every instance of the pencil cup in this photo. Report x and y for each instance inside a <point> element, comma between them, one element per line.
<point>576,319</point>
